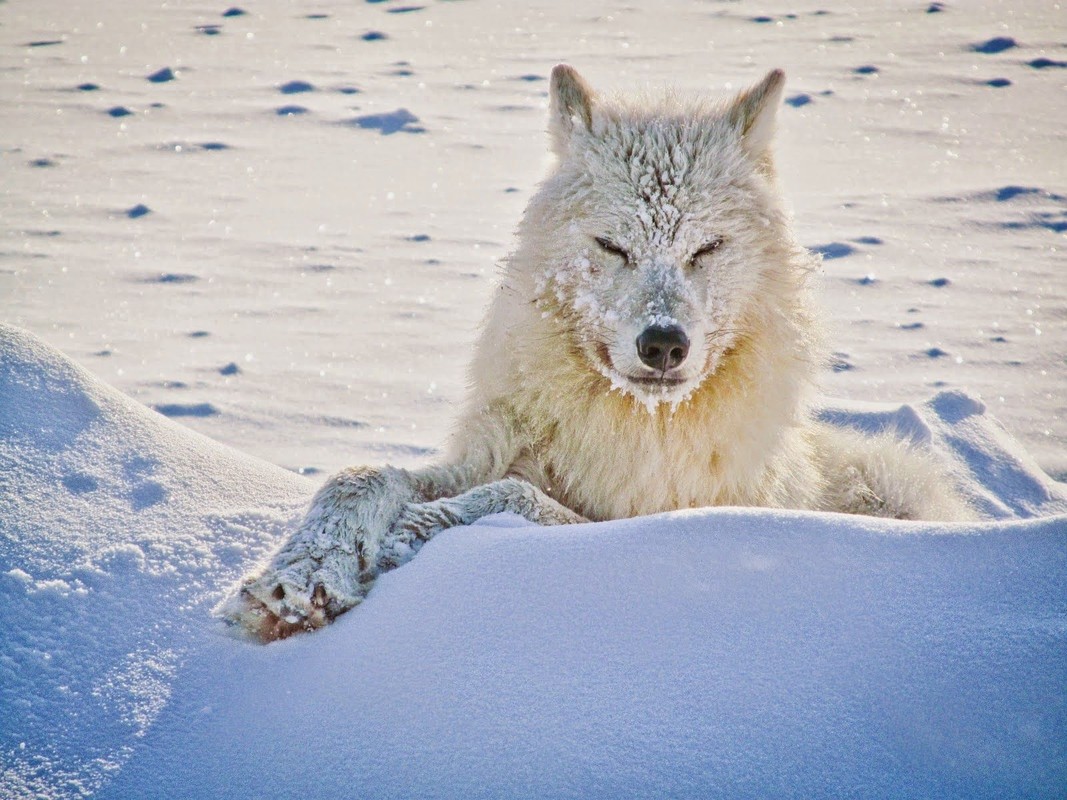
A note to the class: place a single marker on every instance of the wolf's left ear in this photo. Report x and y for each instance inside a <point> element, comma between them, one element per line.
<point>571,105</point>
<point>753,113</point>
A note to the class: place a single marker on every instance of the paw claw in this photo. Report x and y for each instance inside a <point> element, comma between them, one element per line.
<point>270,610</point>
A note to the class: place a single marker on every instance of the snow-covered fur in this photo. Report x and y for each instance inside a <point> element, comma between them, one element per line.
<point>652,346</point>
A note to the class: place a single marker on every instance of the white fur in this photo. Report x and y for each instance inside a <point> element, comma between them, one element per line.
<point>561,400</point>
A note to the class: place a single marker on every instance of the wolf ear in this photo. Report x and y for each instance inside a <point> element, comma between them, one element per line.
<point>753,114</point>
<point>571,104</point>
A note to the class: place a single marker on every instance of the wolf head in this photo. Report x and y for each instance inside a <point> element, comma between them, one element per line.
<point>659,240</point>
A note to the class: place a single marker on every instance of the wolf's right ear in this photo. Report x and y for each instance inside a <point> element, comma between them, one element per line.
<point>571,104</point>
<point>753,113</point>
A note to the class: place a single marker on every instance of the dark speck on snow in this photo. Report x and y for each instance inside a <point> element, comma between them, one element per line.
<point>833,250</point>
<point>1045,63</point>
<point>162,75</point>
<point>998,44</point>
<point>391,122</point>
<point>296,87</point>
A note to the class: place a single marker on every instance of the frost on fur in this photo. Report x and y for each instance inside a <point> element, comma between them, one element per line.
<point>653,347</point>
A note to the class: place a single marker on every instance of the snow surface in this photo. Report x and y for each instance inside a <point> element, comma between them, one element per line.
<point>278,228</point>
<point>719,652</point>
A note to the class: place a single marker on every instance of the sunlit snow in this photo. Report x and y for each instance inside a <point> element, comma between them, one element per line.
<point>278,225</point>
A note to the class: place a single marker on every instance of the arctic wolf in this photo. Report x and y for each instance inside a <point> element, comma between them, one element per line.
<point>652,347</point>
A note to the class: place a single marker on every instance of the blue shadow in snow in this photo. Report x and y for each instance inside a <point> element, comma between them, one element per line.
<point>832,250</point>
<point>399,121</point>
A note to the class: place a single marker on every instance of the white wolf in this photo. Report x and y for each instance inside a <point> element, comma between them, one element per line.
<point>652,347</point>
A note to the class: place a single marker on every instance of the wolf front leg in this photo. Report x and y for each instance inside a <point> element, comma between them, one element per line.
<point>422,521</point>
<point>364,521</point>
<point>329,562</point>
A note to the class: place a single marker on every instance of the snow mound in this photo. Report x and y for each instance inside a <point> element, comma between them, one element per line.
<point>117,529</point>
<point>717,652</point>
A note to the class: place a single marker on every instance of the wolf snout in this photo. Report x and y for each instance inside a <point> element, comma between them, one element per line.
<point>662,347</point>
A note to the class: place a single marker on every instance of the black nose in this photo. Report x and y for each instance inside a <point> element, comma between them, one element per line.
<point>663,348</point>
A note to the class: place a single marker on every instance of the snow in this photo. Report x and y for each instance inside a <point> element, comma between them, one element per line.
<point>715,652</point>
<point>304,288</point>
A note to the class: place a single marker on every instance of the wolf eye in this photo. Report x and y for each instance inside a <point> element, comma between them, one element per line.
<point>706,250</point>
<point>610,247</point>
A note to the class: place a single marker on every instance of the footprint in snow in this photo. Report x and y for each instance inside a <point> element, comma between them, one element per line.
<point>1049,220</point>
<point>162,76</point>
<point>1006,193</point>
<point>399,121</point>
<point>171,277</point>
<point>186,409</point>
<point>296,87</point>
<point>833,250</point>
<point>841,363</point>
<point>78,483</point>
<point>998,44</point>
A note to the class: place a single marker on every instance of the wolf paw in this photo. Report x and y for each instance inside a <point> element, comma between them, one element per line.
<point>272,607</point>
<point>330,561</point>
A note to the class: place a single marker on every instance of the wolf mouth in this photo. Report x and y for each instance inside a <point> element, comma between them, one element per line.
<point>656,380</point>
<point>660,381</point>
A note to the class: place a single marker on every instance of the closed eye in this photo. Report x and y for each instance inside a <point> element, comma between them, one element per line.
<point>609,246</point>
<point>706,250</point>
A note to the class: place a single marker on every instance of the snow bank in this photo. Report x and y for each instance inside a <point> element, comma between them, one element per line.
<point>719,652</point>
<point>117,530</point>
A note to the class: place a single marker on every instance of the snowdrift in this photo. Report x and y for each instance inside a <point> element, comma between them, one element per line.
<point>713,653</point>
